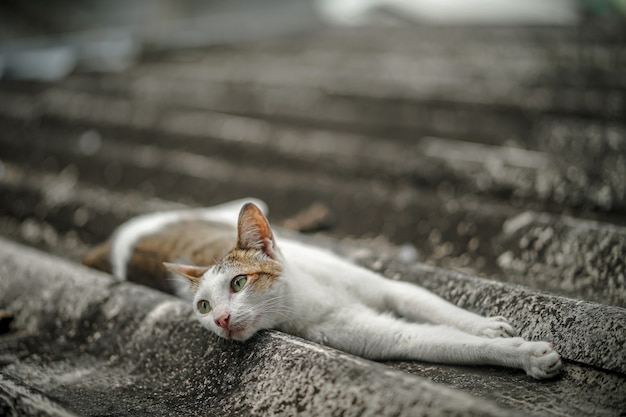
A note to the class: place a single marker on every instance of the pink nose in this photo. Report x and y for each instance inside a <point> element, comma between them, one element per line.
<point>222,321</point>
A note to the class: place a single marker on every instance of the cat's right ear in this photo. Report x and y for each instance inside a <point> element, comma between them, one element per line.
<point>254,231</point>
<point>192,273</point>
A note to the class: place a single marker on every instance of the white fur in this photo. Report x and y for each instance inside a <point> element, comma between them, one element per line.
<point>358,311</point>
<point>325,299</point>
<point>130,232</point>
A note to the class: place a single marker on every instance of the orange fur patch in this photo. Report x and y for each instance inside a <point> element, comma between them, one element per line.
<point>196,242</point>
<point>261,270</point>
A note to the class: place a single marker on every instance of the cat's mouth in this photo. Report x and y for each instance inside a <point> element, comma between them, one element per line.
<point>239,333</point>
<point>242,330</point>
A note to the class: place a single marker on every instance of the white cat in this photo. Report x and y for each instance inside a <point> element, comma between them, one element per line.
<point>254,281</point>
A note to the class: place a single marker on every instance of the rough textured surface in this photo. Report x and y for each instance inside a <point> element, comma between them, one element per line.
<point>144,349</point>
<point>17,399</point>
<point>580,391</point>
<point>549,248</point>
<point>492,152</point>
<point>89,341</point>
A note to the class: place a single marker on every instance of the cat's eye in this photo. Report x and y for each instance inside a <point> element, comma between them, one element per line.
<point>238,283</point>
<point>203,306</point>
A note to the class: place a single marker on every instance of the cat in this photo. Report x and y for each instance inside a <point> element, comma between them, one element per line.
<point>242,279</point>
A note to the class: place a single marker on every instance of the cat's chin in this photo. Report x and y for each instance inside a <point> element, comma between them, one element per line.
<point>238,334</point>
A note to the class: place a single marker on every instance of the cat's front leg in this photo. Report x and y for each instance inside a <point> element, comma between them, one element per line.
<point>372,335</point>
<point>490,327</point>
<point>420,305</point>
<point>540,360</point>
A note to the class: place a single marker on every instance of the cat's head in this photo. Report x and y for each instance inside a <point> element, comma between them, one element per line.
<point>243,292</point>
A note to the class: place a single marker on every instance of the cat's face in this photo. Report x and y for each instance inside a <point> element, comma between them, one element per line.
<point>245,291</point>
<point>240,295</point>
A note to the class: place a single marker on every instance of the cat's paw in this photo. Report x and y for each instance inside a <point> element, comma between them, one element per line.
<point>493,327</point>
<point>540,359</point>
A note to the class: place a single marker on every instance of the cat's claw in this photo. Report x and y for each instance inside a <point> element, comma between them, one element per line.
<point>542,361</point>
<point>493,327</point>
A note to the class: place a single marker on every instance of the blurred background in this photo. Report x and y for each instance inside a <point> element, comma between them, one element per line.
<point>486,136</point>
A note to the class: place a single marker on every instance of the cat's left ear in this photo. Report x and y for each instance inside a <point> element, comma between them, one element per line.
<point>253,231</point>
<point>192,273</point>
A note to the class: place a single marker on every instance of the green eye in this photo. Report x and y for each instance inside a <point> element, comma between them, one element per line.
<point>203,306</point>
<point>238,283</point>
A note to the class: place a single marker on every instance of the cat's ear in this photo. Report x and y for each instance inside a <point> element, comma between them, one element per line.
<point>253,231</point>
<point>192,273</point>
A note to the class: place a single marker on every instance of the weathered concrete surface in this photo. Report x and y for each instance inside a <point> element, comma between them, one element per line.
<point>18,400</point>
<point>549,172</point>
<point>100,348</point>
<point>575,394</point>
<point>428,142</point>
<point>539,246</point>
<point>81,340</point>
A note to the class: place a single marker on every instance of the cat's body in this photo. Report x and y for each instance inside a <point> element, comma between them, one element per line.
<point>266,282</point>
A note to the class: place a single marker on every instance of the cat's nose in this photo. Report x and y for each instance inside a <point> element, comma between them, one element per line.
<point>222,321</point>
